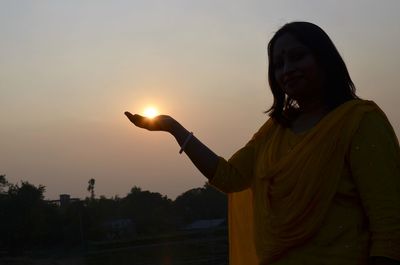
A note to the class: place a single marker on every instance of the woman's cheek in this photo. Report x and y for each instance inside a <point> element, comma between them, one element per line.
<point>278,78</point>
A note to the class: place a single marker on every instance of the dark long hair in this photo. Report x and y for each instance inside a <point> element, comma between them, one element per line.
<point>339,87</point>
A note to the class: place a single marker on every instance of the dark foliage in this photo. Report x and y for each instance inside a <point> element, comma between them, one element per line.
<point>28,221</point>
<point>201,203</point>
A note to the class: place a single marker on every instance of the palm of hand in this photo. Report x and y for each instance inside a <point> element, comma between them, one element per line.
<point>158,123</point>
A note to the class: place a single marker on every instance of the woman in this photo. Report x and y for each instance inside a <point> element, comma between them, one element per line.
<point>319,183</point>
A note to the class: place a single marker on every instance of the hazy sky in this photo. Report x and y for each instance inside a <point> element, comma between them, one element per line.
<point>69,69</point>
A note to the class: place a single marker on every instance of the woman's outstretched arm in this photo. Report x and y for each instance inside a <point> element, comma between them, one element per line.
<point>202,157</point>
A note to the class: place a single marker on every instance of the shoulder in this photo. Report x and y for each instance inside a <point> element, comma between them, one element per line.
<point>361,114</point>
<point>375,126</point>
<point>265,129</point>
<point>374,118</point>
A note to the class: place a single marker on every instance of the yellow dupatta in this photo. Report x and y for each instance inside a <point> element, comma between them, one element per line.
<point>295,190</point>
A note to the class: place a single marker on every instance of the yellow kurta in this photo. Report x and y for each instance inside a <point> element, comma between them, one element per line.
<point>361,217</point>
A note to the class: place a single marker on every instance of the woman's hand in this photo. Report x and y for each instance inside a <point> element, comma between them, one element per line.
<point>202,157</point>
<point>158,123</point>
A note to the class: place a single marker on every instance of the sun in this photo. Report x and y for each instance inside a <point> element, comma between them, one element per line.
<point>150,112</point>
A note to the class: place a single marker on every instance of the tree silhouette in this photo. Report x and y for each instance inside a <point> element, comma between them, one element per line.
<point>90,187</point>
<point>26,218</point>
<point>3,183</point>
<point>151,211</point>
<point>201,203</point>
<point>28,221</point>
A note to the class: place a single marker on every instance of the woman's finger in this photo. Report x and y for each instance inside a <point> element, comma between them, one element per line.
<point>130,116</point>
<point>136,119</point>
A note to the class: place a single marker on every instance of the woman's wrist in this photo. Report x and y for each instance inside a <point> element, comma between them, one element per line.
<point>173,127</point>
<point>178,131</point>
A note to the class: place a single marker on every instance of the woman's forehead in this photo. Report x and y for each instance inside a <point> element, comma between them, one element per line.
<point>285,43</point>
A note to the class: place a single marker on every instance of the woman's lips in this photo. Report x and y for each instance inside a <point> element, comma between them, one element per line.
<point>291,81</point>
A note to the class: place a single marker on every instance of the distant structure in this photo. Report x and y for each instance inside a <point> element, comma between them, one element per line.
<point>65,199</point>
<point>205,224</point>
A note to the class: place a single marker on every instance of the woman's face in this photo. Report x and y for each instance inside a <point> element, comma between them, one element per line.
<point>296,69</point>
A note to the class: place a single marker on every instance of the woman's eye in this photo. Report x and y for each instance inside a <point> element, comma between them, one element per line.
<point>297,56</point>
<point>278,64</point>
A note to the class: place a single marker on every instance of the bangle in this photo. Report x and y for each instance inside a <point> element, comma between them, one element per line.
<point>183,146</point>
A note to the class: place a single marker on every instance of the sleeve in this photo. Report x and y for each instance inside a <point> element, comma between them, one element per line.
<point>375,165</point>
<point>236,174</point>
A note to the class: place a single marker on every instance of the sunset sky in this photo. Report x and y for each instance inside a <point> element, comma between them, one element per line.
<point>69,70</point>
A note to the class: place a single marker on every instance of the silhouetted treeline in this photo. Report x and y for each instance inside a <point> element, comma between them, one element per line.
<point>28,221</point>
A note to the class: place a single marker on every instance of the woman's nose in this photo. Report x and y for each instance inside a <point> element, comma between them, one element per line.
<point>288,67</point>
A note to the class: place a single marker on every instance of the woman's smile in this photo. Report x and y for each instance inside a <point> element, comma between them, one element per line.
<point>291,80</point>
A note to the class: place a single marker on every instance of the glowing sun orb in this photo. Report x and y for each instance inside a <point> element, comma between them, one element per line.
<point>150,112</point>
